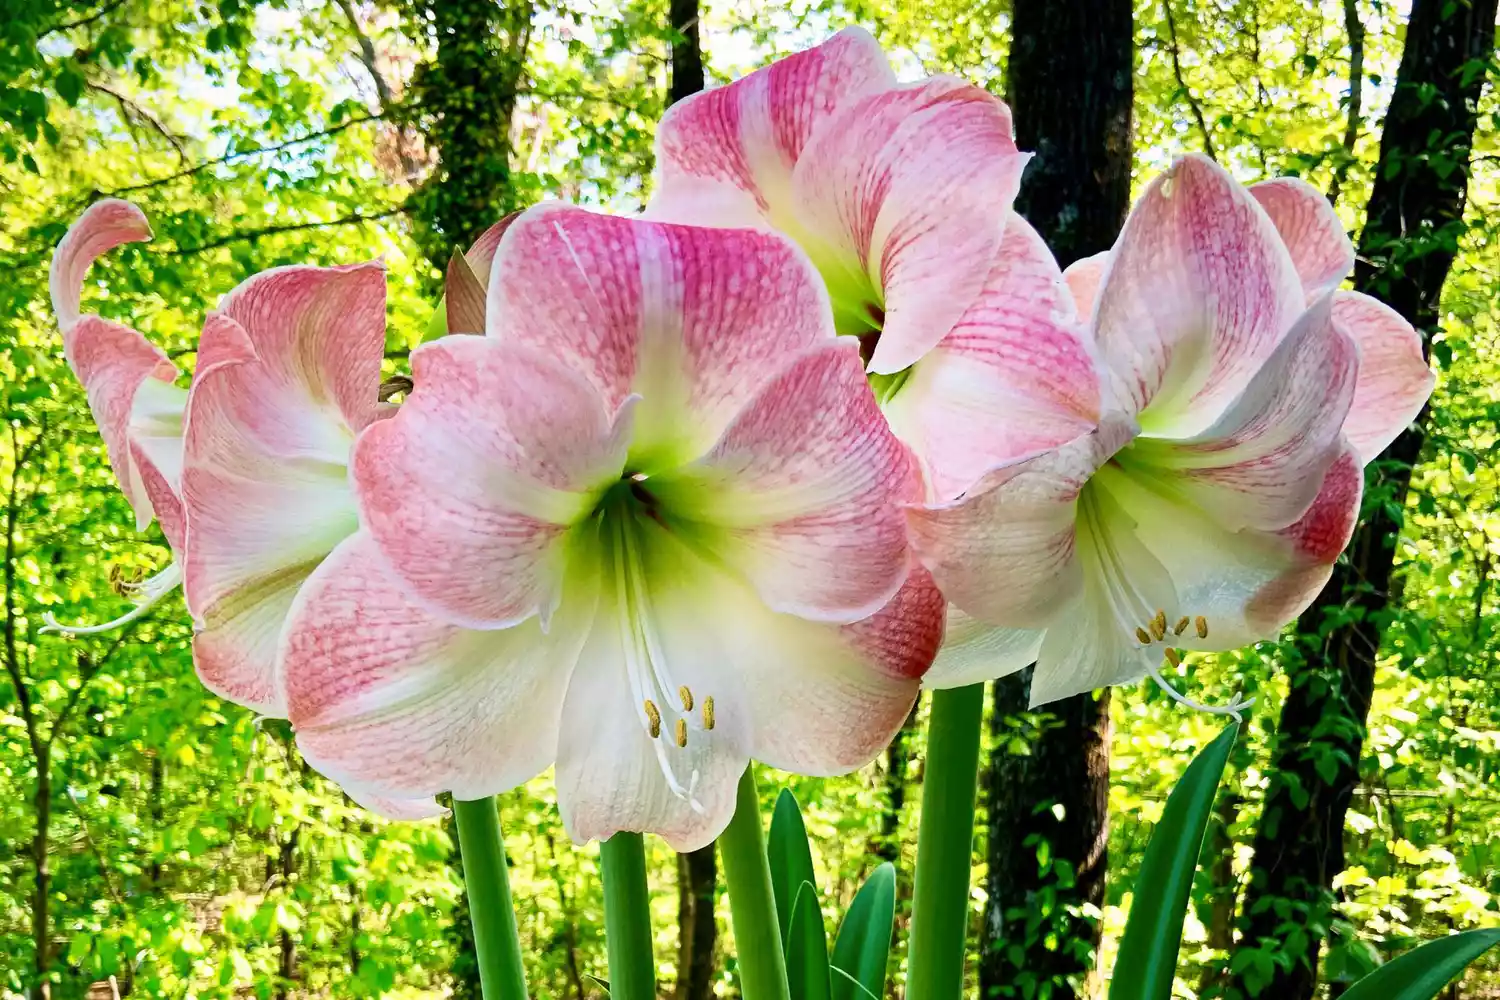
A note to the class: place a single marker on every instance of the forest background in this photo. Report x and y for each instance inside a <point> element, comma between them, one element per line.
<point>156,841</point>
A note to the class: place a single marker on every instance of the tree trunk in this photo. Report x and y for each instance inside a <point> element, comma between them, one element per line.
<point>1414,219</point>
<point>464,101</point>
<point>1071,77</point>
<point>687,55</point>
<point>697,880</point>
<point>897,757</point>
<point>41,920</point>
<point>287,963</point>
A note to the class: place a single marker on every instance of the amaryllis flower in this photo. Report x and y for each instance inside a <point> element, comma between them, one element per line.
<point>646,529</point>
<point>288,373</point>
<point>130,387</point>
<point>1238,399</point>
<point>899,192</point>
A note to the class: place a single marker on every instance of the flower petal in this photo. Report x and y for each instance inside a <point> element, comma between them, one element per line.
<point>1013,378</point>
<point>1311,230</point>
<point>1005,552</point>
<point>751,133</point>
<point>397,809</point>
<point>1395,380</point>
<point>902,199</point>
<point>392,702</point>
<point>1199,291</point>
<point>105,225</point>
<point>1262,462</point>
<point>800,493</point>
<point>693,320</point>
<point>1084,277</point>
<point>481,256</point>
<point>470,489</point>
<point>128,381</point>
<point>974,652</point>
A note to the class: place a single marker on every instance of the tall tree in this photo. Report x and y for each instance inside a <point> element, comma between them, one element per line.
<point>1070,87</point>
<point>1414,221</point>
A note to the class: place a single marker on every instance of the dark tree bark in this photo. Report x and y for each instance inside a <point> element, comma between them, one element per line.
<point>897,758</point>
<point>697,882</point>
<point>1071,79</point>
<point>41,918</point>
<point>687,54</point>
<point>463,101</point>
<point>1413,223</point>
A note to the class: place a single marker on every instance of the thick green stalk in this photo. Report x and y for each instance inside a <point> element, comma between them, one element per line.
<point>487,882</point>
<point>627,918</point>
<point>752,906</point>
<point>945,840</point>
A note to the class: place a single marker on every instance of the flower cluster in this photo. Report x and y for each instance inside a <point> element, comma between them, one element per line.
<point>710,484</point>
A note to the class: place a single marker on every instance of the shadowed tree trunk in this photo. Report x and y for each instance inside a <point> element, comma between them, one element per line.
<point>687,55</point>
<point>897,758</point>
<point>1071,86</point>
<point>1414,220</point>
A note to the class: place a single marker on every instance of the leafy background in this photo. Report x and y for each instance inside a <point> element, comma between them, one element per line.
<point>187,850</point>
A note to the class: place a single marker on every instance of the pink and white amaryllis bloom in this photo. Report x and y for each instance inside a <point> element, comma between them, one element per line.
<point>899,192</point>
<point>647,529</point>
<point>131,392</point>
<point>1239,398</point>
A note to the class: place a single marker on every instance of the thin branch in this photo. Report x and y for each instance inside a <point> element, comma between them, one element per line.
<point>131,108</point>
<point>19,456</point>
<point>90,669</point>
<point>383,91</point>
<point>1208,142</point>
<point>255,234</point>
<point>82,21</point>
<point>1356,30</point>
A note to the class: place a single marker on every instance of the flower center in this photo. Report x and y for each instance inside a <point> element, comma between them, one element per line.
<point>1153,635</point>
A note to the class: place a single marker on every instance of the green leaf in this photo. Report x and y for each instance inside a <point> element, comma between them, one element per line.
<point>1148,951</point>
<point>791,860</point>
<point>863,947</point>
<point>807,947</point>
<point>1422,972</point>
<point>69,84</point>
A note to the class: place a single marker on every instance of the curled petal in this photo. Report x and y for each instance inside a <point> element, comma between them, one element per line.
<point>1013,378</point>
<point>1261,463</point>
<point>1311,230</point>
<point>105,225</point>
<point>1084,278</point>
<point>392,702</point>
<point>1199,291</point>
<point>481,256</point>
<point>800,493</point>
<point>1395,380</point>
<point>751,133</point>
<point>471,488</point>
<point>397,809</point>
<point>974,652</point>
<point>902,200</point>
<point>692,320</point>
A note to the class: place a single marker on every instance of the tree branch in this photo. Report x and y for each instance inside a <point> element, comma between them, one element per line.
<point>1356,31</point>
<point>82,21</point>
<point>1208,142</point>
<point>255,234</point>
<point>383,92</point>
<point>132,109</point>
<point>20,457</point>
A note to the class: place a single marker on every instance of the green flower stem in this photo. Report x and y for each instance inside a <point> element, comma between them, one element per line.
<point>945,840</point>
<point>627,918</point>
<point>752,907</point>
<point>487,881</point>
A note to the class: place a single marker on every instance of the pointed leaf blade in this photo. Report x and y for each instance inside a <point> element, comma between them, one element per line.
<point>791,859</point>
<point>1421,973</point>
<point>863,948</point>
<point>807,970</point>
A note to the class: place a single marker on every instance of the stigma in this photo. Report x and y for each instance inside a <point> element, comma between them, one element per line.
<point>1155,635</point>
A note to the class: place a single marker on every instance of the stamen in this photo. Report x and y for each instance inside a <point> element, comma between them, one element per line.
<point>1181,626</point>
<point>146,595</point>
<point>1202,626</point>
<point>1159,626</point>
<point>1174,657</point>
<point>682,733</point>
<point>1144,636</point>
<point>708,712</point>
<point>653,716</point>
<point>1233,709</point>
<point>686,694</point>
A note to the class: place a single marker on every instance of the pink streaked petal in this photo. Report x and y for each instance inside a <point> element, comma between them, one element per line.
<point>319,335</point>
<point>1199,291</point>
<point>1013,378</point>
<point>974,652</point>
<point>391,701</point>
<point>1084,278</point>
<point>1395,380</point>
<point>162,493</point>
<point>105,225</point>
<point>115,363</point>
<point>1311,230</point>
<point>1005,552</point>
<point>1260,465</point>
<point>472,487</point>
<point>800,493</point>
<point>902,200</point>
<point>236,642</point>
<point>693,320</point>
<point>752,132</point>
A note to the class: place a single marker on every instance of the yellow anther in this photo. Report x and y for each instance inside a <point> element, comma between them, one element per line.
<point>1144,636</point>
<point>686,694</point>
<point>1181,626</point>
<point>682,732</point>
<point>708,712</point>
<point>1173,657</point>
<point>653,717</point>
<point>1158,629</point>
<point>1202,625</point>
